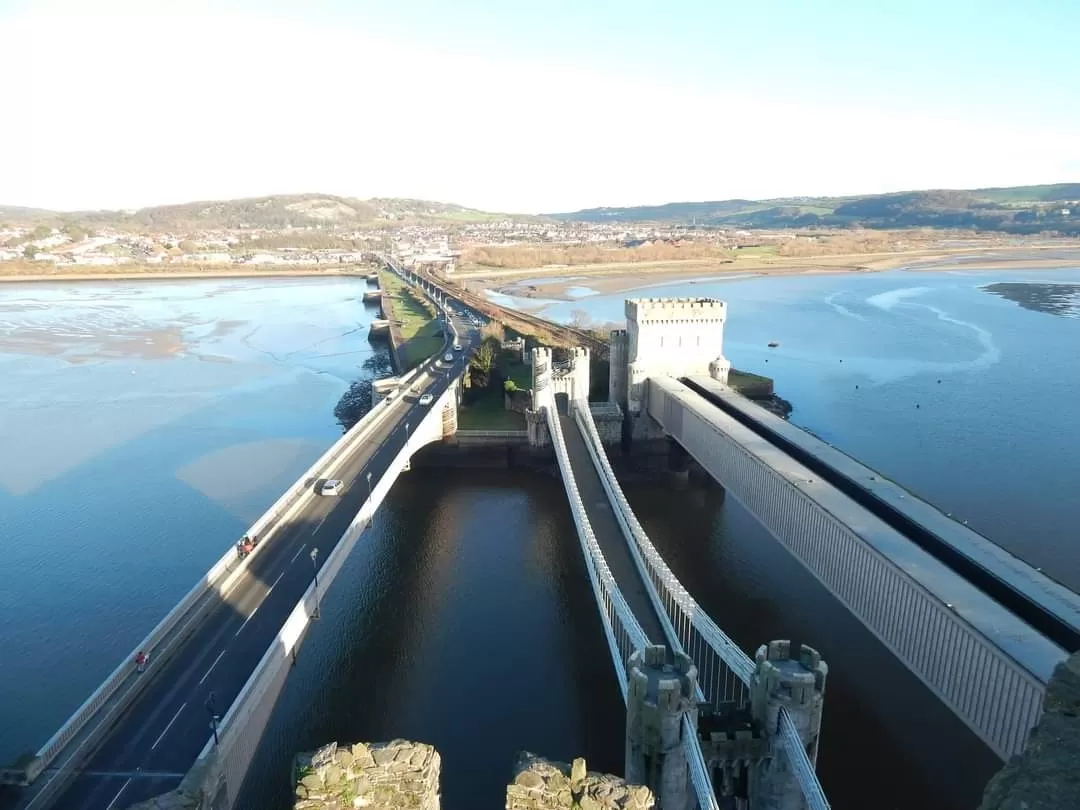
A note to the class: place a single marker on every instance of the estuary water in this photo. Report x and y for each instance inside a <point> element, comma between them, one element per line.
<point>144,425</point>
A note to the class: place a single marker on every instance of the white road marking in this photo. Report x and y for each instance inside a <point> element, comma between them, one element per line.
<point>117,796</point>
<point>166,731</point>
<point>276,581</point>
<point>321,522</point>
<point>207,675</point>
<point>297,554</point>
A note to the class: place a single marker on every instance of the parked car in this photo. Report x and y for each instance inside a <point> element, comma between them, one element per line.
<point>448,357</point>
<point>426,399</point>
<point>331,487</point>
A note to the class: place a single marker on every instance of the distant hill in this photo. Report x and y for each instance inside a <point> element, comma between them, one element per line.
<point>1021,209</point>
<point>273,212</point>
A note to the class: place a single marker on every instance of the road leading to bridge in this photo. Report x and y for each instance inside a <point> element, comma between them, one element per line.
<point>162,733</point>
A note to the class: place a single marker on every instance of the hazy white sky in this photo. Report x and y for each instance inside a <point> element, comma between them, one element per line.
<point>530,107</point>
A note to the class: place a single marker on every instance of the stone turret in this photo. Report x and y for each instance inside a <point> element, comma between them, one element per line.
<point>658,696</point>
<point>798,686</point>
<point>672,337</point>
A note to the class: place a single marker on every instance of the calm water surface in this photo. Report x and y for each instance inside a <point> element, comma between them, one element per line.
<point>143,427</point>
<point>961,385</point>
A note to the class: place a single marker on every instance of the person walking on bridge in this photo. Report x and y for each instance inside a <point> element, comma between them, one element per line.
<point>140,661</point>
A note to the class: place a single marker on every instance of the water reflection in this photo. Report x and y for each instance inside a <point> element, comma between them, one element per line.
<point>1052,299</point>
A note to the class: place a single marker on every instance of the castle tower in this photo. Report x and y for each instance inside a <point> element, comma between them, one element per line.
<point>541,377</point>
<point>617,371</point>
<point>658,695</point>
<point>673,337</point>
<point>797,685</point>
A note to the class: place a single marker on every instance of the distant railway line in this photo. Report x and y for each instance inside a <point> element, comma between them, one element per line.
<point>524,322</point>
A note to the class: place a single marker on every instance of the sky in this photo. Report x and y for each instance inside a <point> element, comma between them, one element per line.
<point>541,106</point>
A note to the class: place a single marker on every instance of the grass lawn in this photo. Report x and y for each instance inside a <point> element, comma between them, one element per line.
<point>488,413</point>
<point>421,335</point>
<point>517,371</point>
<point>750,384</point>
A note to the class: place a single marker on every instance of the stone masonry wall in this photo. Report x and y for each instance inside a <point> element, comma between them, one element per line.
<point>543,785</point>
<point>397,775</point>
<point>1047,775</point>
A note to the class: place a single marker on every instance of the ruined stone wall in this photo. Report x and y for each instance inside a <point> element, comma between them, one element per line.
<point>540,784</point>
<point>376,776</point>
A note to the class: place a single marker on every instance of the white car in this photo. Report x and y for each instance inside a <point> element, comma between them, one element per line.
<point>331,487</point>
<point>448,357</point>
<point>457,347</point>
<point>426,399</point>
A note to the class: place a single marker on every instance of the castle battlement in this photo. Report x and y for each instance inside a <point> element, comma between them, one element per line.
<point>649,310</point>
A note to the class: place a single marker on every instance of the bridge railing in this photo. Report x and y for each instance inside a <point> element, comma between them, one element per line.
<point>699,770</point>
<point>804,771</point>
<point>724,670</point>
<point>221,575</point>
<point>624,633</point>
<point>240,729</point>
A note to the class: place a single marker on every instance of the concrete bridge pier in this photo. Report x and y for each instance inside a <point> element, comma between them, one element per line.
<point>658,695</point>
<point>797,685</point>
<point>678,461</point>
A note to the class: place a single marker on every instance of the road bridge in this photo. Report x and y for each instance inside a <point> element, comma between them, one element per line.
<point>140,732</point>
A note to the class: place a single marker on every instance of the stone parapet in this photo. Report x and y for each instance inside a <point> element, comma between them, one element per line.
<point>376,776</point>
<point>540,784</point>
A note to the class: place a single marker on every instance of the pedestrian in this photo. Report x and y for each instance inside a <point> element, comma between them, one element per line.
<point>140,661</point>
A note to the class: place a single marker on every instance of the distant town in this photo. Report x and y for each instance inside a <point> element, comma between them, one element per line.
<point>267,247</point>
<point>314,232</point>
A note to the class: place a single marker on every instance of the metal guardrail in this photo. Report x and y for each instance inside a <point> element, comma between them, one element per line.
<point>800,763</point>
<point>706,642</point>
<point>683,611</point>
<point>699,771</point>
<point>624,633</point>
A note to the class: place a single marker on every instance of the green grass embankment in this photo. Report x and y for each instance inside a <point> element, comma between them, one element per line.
<point>415,332</point>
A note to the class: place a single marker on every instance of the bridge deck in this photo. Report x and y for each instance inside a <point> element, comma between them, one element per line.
<point>162,733</point>
<point>608,532</point>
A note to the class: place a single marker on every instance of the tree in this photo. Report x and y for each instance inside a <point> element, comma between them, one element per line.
<point>41,232</point>
<point>75,233</point>
<point>482,362</point>
<point>30,251</point>
<point>187,246</point>
<point>493,330</point>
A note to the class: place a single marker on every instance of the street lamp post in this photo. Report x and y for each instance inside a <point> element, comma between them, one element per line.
<point>315,572</point>
<point>211,707</point>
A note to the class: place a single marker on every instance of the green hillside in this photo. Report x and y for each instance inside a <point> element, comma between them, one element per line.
<point>273,212</point>
<point>1021,209</point>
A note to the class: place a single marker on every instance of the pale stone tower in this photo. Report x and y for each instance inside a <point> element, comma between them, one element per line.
<point>673,337</point>
<point>658,696</point>
<point>797,685</point>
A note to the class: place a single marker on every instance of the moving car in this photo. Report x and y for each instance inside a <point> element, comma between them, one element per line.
<point>448,357</point>
<point>457,347</point>
<point>331,487</point>
<point>426,399</point>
